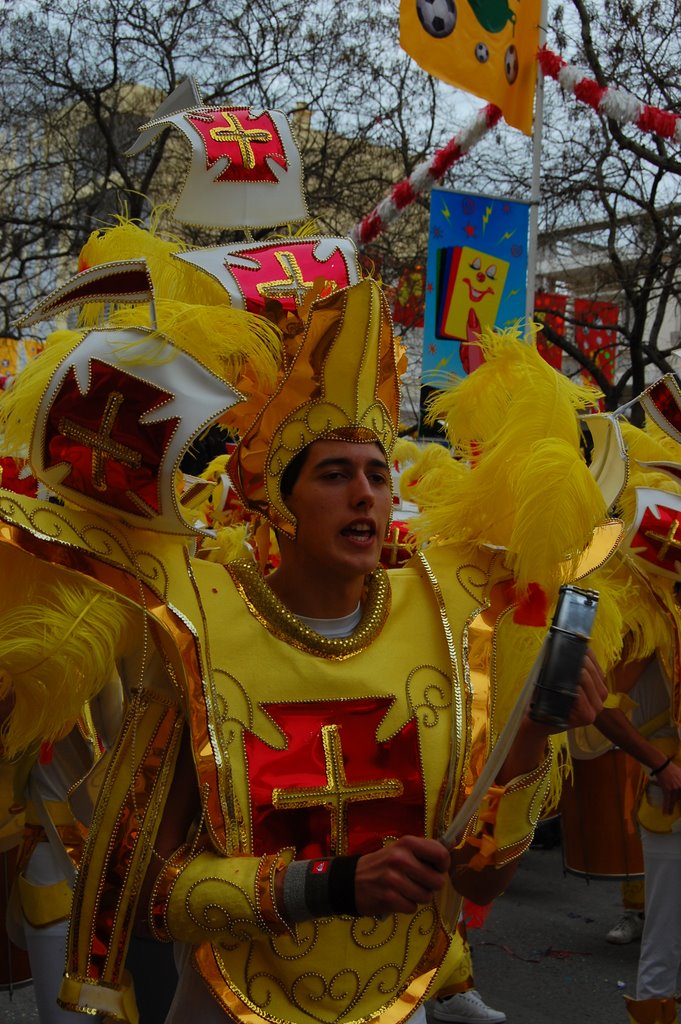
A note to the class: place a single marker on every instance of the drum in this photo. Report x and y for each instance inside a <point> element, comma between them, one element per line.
<point>597,807</point>
<point>15,969</point>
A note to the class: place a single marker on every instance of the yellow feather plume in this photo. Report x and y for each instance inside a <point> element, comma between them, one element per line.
<point>514,381</point>
<point>405,451</point>
<point>19,403</point>
<point>231,343</point>
<point>557,505</point>
<point>430,477</point>
<point>230,543</point>
<point>225,340</point>
<point>516,478</point>
<point>172,278</point>
<point>56,653</point>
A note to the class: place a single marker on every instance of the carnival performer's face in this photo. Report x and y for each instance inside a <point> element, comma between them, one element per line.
<point>342,500</point>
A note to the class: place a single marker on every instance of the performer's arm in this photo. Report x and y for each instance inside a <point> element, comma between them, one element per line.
<point>119,848</point>
<point>615,725</point>
<point>181,808</point>
<point>199,894</point>
<point>484,865</point>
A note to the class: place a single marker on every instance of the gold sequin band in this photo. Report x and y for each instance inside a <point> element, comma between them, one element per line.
<point>275,616</point>
<point>165,880</point>
<point>266,903</point>
<point>126,819</point>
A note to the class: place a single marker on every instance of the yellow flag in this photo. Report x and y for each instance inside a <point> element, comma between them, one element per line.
<point>487,47</point>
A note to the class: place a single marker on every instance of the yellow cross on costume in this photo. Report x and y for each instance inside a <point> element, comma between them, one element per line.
<point>293,284</point>
<point>668,539</point>
<point>395,548</point>
<point>234,131</point>
<point>100,441</point>
<point>337,793</point>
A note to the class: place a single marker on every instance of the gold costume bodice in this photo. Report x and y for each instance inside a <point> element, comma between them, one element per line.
<point>330,747</point>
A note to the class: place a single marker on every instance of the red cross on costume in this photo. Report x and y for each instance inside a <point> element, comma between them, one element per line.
<point>334,788</point>
<point>285,272</point>
<point>657,538</point>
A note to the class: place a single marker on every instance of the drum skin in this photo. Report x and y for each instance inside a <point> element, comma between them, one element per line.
<point>597,807</point>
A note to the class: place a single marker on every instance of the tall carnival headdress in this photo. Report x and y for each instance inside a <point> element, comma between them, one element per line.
<point>342,384</point>
<point>107,414</point>
<point>246,172</point>
<point>121,403</point>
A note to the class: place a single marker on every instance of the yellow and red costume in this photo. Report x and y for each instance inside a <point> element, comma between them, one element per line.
<point>303,746</point>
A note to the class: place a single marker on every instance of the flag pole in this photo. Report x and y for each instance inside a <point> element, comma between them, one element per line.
<point>536,175</point>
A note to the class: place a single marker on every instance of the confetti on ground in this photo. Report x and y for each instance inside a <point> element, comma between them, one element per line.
<point>562,954</point>
<point>510,952</point>
<point>550,953</point>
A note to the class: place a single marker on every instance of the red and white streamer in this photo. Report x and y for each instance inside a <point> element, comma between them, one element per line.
<point>617,104</point>
<point>425,176</point>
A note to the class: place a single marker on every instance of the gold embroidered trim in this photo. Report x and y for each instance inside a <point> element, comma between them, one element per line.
<point>268,915</point>
<point>389,994</point>
<point>220,801</point>
<point>495,847</point>
<point>530,778</point>
<point>457,756</point>
<point>157,918</point>
<point>275,616</point>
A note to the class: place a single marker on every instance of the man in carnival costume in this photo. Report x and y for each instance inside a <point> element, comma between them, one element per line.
<point>643,712</point>
<point>306,777</point>
<point>295,747</point>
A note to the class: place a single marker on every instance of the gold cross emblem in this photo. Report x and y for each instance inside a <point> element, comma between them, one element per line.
<point>337,793</point>
<point>393,547</point>
<point>234,131</point>
<point>668,539</point>
<point>293,284</point>
<point>101,442</point>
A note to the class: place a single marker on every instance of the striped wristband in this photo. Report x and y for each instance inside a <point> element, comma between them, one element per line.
<point>320,888</point>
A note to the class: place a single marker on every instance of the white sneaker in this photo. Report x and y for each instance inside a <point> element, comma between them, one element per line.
<point>465,1007</point>
<point>628,928</point>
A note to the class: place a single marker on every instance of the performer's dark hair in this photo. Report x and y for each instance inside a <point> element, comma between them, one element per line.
<point>292,472</point>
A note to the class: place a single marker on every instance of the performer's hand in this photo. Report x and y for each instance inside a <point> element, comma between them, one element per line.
<point>400,877</point>
<point>669,781</point>
<point>590,695</point>
<point>588,698</point>
<point>530,744</point>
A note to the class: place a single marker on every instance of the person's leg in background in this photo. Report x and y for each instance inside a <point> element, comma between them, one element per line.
<point>660,957</point>
<point>629,928</point>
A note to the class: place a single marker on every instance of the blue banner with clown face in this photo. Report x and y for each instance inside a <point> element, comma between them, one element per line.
<point>476,277</point>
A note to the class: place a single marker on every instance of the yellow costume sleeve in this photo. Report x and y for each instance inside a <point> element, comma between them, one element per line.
<point>117,854</point>
<point>508,817</point>
<point>201,895</point>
